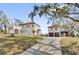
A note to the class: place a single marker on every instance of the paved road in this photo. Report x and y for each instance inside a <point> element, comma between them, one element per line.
<point>48,46</point>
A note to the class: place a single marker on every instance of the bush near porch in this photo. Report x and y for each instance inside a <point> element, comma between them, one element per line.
<point>70,45</point>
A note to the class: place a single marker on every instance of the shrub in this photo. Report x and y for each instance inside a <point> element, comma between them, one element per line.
<point>70,45</point>
<point>2,52</point>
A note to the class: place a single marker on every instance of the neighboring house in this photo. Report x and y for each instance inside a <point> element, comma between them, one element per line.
<point>57,31</point>
<point>25,28</point>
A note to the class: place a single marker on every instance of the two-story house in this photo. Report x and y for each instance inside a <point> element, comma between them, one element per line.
<point>57,31</point>
<point>28,28</point>
<point>25,28</point>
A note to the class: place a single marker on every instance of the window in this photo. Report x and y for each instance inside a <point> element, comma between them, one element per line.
<point>55,28</point>
<point>26,26</point>
<point>51,28</point>
<point>56,34</point>
<point>23,26</point>
<point>29,25</point>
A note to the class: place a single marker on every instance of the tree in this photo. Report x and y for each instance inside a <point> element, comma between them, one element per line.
<point>4,21</point>
<point>18,21</point>
<point>31,15</point>
<point>33,31</point>
<point>54,10</point>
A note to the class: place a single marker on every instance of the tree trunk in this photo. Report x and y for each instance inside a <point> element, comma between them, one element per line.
<point>33,33</point>
<point>33,27</point>
<point>5,29</point>
<point>12,35</point>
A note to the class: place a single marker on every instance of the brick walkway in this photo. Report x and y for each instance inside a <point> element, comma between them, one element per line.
<point>48,46</point>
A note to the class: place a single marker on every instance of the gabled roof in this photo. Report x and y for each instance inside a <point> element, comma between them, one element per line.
<point>29,23</point>
<point>54,26</point>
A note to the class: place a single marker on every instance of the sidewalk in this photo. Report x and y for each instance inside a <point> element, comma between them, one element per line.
<point>48,46</point>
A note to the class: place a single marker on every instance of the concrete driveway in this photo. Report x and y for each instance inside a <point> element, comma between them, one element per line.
<point>48,46</point>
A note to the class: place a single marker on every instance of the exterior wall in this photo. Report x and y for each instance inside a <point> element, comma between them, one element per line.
<point>54,32</point>
<point>25,29</point>
<point>16,28</point>
<point>13,28</point>
<point>54,29</point>
<point>57,32</point>
<point>37,28</point>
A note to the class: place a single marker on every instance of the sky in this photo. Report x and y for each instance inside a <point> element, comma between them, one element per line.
<point>21,11</point>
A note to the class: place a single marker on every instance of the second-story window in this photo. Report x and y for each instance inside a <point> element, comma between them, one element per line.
<point>51,28</point>
<point>23,26</point>
<point>29,25</point>
<point>55,28</point>
<point>26,26</point>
